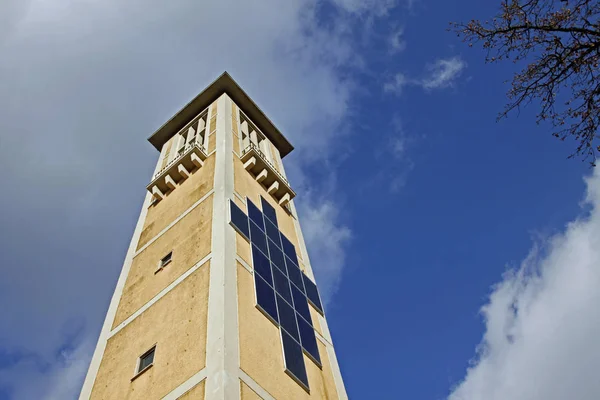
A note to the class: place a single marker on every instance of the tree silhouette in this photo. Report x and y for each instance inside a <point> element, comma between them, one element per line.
<point>561,42</point>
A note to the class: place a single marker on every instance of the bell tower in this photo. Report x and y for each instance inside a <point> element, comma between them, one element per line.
<point>216,298</point>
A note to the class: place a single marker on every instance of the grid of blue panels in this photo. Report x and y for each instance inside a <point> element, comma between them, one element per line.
<point>283,291</point>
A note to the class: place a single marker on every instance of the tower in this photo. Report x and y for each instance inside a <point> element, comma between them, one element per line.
<point>216,298</point>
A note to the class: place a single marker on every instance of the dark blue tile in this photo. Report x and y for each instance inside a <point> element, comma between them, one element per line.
<point>261,265</point>
<point>294,359</point>
<point>282,285</point>
<point>258,238</point>
<point>309,341</point>
<point>265,298</point>
<point>269,211</point>
<point>289,249</point>
<point>255,215</point>
<point>313,294</point>
<point>272,232</point>
<point>276,256</point>
<point>301,304</point>
<point>287,317</point>
<point>239,220</point>
<point>295,276</point>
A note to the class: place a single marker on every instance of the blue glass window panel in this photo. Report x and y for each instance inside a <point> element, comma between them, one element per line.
<point>282,285</point>
<point>269,211</point>
<point>265,297</point>
<point>262,265</point>
<point>290,262</point>
<point>301,304</point>
<point>287,318</point>
<point>275,267</point>
<point>277,257</point>
<point>289,249</point>
<point>272,232</point>
<point>309,341</point>
<point>293,260</point>
<point>255,215</point>
<point>258,238</point>
<point>295,276</point>
<point>294,359</point>
<point>239,220</point>
<point>313,294</point>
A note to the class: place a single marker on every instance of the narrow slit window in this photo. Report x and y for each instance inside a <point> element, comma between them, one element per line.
<point>192,134</point>
<point>199,129</point>
<point>165,260</point>
<point>146,360</point>
<point>181,143</point>
<point>251,135</point>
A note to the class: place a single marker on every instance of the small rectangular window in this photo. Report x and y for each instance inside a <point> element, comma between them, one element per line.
<point>165,260</point>
<point>146,360</point>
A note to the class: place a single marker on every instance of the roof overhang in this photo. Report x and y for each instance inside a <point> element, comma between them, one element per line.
<point>223,84</point>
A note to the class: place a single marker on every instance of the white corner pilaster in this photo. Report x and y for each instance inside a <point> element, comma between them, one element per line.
<point>222,352</point>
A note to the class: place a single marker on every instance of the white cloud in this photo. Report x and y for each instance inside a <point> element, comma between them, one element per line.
<point>58,379</point>
<point>397,84</point>
<point>397,42</point>
<point>397,156</point>
<point>443,73</point>
<point>542,321</point>
<point>326,239</point>
<point>398,146</point>
<point>368,7</point>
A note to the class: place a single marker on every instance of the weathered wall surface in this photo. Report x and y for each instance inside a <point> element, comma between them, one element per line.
<point>176,324</point>
<point>195,393</point>
<point>247,393</point>
<point>189,240</point>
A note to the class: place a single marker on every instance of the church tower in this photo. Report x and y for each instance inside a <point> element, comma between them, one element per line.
<point>216,298</point>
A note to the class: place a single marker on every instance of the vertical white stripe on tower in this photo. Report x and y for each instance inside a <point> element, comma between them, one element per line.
<point>222,350</point>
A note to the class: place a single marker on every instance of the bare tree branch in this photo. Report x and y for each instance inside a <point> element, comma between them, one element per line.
<point>561,42</point>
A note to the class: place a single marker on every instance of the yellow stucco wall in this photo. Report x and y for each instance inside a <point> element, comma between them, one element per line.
<point>241,204</point>
<point>213,123</point>
<point>243,249</point>
<point>315,319</point>
<point>177,325</point>
<point>246,393</point>
<point>261,356</point>
<point>274,157</point>
<point>212,142</point>
<point>190,242</point>
<point>322,384</point>
<point>195,393</point>
<point>179,200</point>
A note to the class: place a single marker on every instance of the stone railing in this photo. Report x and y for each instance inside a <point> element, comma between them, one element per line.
<point>253,146</point>
<point>194,143</point>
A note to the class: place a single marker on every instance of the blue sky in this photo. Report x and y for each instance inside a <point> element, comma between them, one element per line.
<point>434,230</point>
